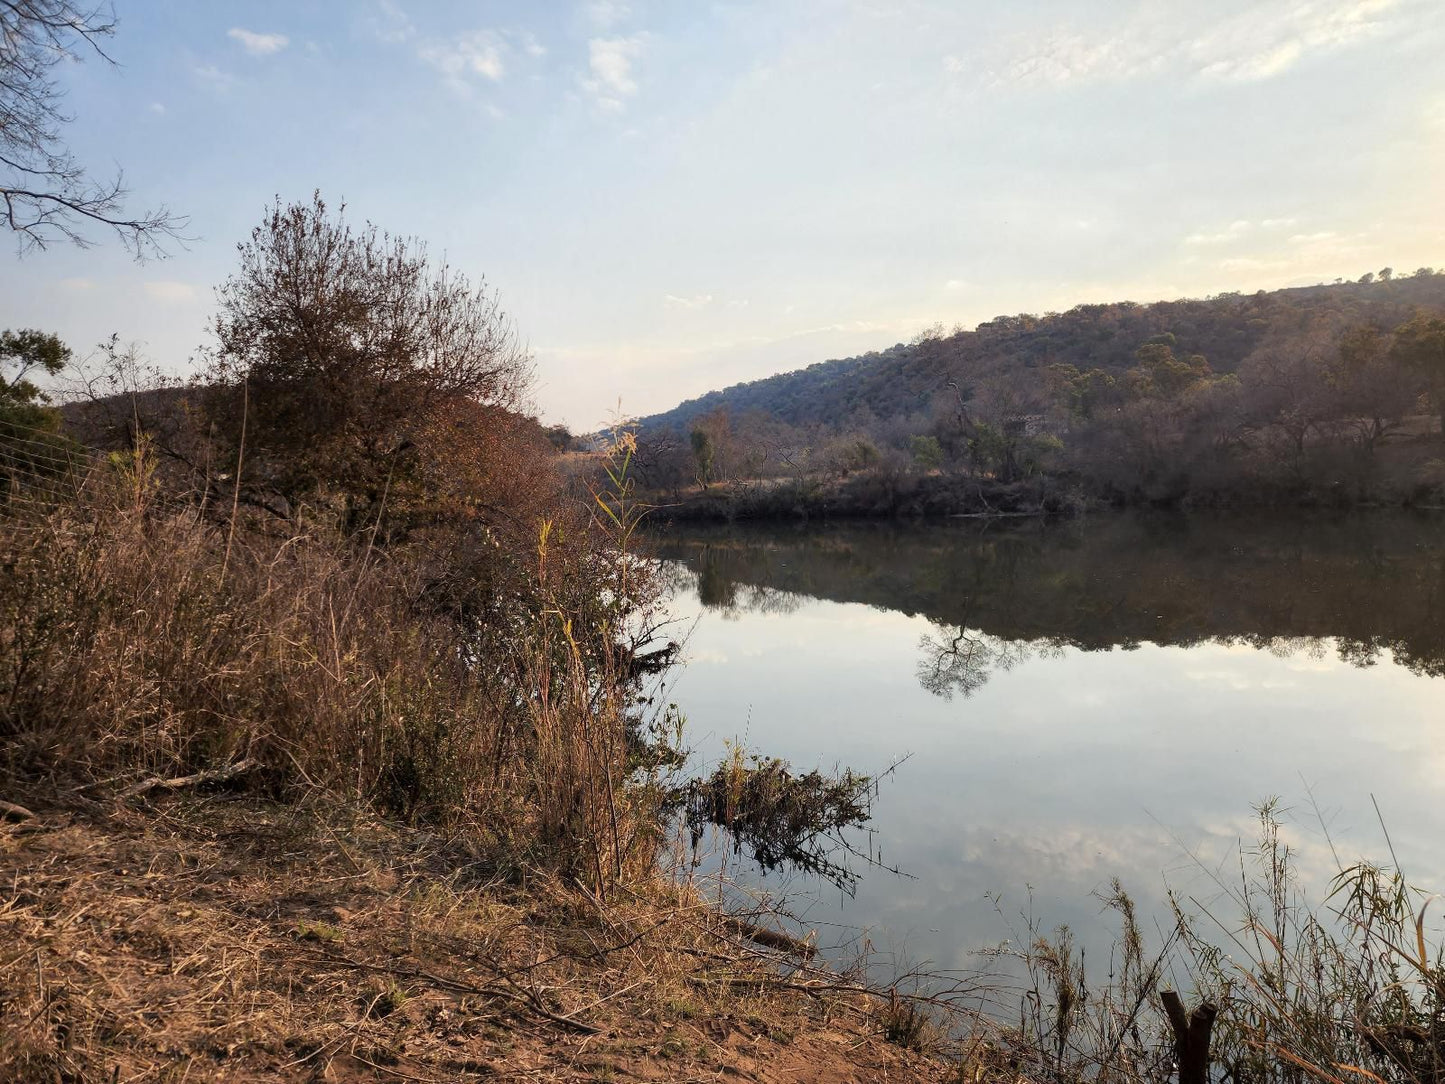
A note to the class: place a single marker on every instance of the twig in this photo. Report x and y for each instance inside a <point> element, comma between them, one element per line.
<point>209,775</point>
<point>466,988</point>
<point>240,462</point>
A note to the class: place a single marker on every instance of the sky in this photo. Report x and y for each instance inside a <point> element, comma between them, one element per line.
<point>671,196</point>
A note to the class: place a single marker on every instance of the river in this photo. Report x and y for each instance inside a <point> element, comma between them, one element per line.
<point>1073,702</point>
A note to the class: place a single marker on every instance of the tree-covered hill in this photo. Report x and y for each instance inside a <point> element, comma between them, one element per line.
<point>909,378</point>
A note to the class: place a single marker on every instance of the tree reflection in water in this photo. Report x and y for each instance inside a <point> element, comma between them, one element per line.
<point>1362,585</point>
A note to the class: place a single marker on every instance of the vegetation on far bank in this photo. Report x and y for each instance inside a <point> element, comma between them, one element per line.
<point>1327,395</point>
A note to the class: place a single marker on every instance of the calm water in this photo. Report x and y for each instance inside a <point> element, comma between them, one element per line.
<point>1077,701</point>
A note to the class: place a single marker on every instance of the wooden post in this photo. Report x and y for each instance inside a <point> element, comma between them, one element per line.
<point>1191,1036</point>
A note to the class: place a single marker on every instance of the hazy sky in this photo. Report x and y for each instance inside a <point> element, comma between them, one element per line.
<point>674,195</point>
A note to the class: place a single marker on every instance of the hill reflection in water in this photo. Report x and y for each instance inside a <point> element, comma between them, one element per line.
<point>997,593</point>
<point>1081,700</point>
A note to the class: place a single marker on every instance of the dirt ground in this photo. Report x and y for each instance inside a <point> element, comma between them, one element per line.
<point>200,938</point>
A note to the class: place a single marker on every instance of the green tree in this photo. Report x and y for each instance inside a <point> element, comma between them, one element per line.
<point>1080,392</point>
<point>926,451</point>
<point>703,452</point>
<point>1372,389</point>
<point>30,439</point>
<point>1161,375</point>
<point>1420,347</point>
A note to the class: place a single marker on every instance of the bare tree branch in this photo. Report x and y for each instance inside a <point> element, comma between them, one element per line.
<point>47,196</point>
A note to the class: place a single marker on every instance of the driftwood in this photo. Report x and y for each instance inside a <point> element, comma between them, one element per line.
<point>1191,1036</point>
<point>9,811</point>
<point>210,775</point>
<point>772,939</point>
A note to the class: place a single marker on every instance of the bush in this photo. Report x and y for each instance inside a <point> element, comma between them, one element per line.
<point>469,675</point>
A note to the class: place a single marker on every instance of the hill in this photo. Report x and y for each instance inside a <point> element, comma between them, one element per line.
<point>1320,394</point>
<point>906,378</point>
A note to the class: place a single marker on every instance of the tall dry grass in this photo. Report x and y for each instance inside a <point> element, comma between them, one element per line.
<point>465,674</point>
<point>1344,989</point>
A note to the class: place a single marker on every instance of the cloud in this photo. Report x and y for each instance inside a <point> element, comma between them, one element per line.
<point>481,53</point>
<point>169,292</point>
<point>609,62</point>
<point>389,23</point>
<point>157,108</point>
<point>1313,238</point>
<point>77,284</point>
<point>1233,232</point>
<point>214,76</point>
<point>1238,231</point>
<point>605,14</point>
<point>697,301</point>
<point>1251,67</point>
<point>1259,42</point>
<point>258,44</point>
<point>1250,263</point>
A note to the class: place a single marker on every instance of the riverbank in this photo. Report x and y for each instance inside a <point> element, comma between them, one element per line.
<point>879,494</point>
<point>868,495</point>
<point>220,937</point>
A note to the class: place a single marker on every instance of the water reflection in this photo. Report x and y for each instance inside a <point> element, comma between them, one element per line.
<point>996,595</point>
<point>1084,700</point>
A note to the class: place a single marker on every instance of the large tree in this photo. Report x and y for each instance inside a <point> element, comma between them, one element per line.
<point>343,354</point>
<point>45,194</point>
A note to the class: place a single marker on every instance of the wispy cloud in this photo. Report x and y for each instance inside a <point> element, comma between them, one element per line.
<point>480,53</point>
<point>697,301</point>
<point>1261,42</point>
<point>481,57</point>
<point>169,292</point>
<point>389,23</point>
<point>1233,232</point>
<point>610,80</point>
<point>1318,237</point>
<point>213,76</point>
<point>605,14</point>
<point>258,44</point>
<point>1238,230</point>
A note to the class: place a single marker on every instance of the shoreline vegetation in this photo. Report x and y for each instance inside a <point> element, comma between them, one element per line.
<point>1322,396</point>
<point>335,745</point>
<point>332,735</point>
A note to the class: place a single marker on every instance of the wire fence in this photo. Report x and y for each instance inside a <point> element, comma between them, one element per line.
<point>39,467</point>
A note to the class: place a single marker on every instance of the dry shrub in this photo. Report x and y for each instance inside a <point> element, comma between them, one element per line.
<point>1350,988</point>
<point>453,675</point>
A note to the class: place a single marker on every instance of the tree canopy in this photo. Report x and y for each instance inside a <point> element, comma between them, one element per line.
<point>345,360</point>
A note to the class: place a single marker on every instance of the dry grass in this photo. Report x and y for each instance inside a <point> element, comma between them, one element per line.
<point>226,938</point>
<point>463,676</point>
<point>326,807</point>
